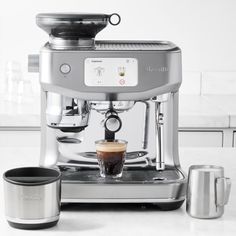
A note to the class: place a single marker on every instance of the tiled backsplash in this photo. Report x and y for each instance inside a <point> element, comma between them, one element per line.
<point>209,83</point>
<point>194,83</point>
<point>221,83</point>
<point>191,83</point>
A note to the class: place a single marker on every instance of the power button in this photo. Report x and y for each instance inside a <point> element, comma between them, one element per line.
<point>65,68</point>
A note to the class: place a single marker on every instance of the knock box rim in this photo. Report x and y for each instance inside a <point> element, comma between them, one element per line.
<point>48,176</point>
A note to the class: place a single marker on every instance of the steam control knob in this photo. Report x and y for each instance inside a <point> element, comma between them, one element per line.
<point>113,123</point>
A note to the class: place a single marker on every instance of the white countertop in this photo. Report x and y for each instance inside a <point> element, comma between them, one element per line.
<point>132,222</point>
<point>212,111</point>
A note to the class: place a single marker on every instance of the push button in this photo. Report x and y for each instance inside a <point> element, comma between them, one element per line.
<point>121,81</point>
<point>65,68</point>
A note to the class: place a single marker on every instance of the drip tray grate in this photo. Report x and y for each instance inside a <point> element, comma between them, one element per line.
<point>141,175</point>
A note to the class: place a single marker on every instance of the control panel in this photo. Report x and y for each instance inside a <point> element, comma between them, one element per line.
<point>114,72</point>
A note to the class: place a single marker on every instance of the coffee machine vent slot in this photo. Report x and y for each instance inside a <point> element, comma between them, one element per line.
<point>133,46</point>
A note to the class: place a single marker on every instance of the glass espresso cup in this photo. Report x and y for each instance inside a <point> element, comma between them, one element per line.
<point>111,157</point>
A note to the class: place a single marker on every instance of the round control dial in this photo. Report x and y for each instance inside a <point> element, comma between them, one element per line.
<point>65,68</point>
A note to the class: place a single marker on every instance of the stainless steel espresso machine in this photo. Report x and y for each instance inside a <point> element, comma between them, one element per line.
<point>95,90</point>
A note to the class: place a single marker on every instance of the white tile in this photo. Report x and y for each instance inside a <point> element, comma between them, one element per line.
<point>218,83</point>
<point>18,120</point>
<point>233,120</point>
<point>197,112</point>
<point>191,83</point>
<point>204,121</point>
<point>19,138</point>
<point>200,138</point>
<point>24,114</point>
<point>226,103</point>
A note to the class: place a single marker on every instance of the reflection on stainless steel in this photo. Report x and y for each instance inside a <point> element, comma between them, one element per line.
<point>118,106</point>
<point>130,175</point>
<point>65,113</point>
<point>66,139</point>
<point>159,178</point>
<point>146,124</point>
<point>94,164</point>
<point>61,44</point>
<point>134,95</point>
<point>160,117</point>
<point>129,155</point>
<point>160,163</point>
<point>88,154</point>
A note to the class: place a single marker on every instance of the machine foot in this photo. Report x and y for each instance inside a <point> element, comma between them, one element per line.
<point>169,206</point>
<point>122,206</point>
<point>32,226</point>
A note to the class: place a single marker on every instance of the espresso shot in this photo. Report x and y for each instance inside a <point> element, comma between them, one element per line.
<point>111,157</point>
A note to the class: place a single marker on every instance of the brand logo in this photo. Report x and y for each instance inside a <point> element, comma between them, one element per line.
<point>96,61</point>
<point>157,69</point>
<point>32,197</point>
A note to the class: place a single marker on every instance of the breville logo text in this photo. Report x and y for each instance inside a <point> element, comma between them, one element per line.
<point>156,69</point>
<point>32,197</point>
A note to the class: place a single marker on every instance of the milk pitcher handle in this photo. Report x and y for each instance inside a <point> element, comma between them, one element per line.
<point>223,186</point>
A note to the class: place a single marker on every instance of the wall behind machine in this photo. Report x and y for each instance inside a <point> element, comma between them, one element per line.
<point>204,29</point>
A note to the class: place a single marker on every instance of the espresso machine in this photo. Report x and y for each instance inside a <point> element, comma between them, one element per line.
<point>93,90</point>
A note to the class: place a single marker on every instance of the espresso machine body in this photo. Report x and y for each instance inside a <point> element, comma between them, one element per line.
<point>95,90</point>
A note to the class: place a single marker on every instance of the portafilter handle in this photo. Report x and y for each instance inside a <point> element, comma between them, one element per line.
<point>112,124</point>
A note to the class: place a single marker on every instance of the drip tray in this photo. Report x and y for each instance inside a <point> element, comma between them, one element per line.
<point>139,185</point>
<point>139,176</point>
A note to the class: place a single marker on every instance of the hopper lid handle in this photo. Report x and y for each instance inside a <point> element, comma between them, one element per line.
<point>114,19</point>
